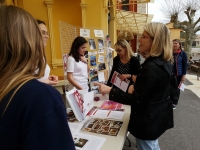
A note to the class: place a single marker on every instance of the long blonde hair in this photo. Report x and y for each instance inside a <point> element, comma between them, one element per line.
<point>124,44</point>
<point>162,44</point>
<point>21,49</point>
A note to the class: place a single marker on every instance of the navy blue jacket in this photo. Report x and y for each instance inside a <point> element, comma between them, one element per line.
<point>180,64</point>
<point>35,120</point>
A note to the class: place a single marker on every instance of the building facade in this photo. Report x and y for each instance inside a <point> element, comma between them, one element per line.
<point>100,14</point>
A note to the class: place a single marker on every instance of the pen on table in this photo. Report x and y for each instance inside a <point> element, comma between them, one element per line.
<point>108,113</point>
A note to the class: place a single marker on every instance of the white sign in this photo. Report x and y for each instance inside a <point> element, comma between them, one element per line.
<point>98,33</point>
<point>101,59</point>
<point>85,33</point>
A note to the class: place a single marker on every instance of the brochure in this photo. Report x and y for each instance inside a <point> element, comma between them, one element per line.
<point>87,142</point>
<point>81,102</point>
<point>181,86</point>
<point>123,85</point>
<point>111,105</point>
<point>102,126</point>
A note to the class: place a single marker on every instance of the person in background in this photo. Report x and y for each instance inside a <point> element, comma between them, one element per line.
<point>77,65</point>
<point>32,113</point>
<point>190,62</point>
<point>180,65</point>
<point>151,111</point>
<point>125,63</point>
<point>48,79</point>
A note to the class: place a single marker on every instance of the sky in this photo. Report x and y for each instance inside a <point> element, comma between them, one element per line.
<point>154,8</point>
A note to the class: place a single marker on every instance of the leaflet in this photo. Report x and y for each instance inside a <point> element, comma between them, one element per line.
<point>122,84</point>
<point>103,126</point>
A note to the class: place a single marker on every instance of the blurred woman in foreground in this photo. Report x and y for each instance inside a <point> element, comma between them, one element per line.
<point>32,114</point>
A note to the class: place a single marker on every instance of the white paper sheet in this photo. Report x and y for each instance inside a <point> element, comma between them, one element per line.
<point>75,127</point>
<point>101,59</point>
<point>99,113</point>
<point>182,86</point>
<point>87,142</point>
<point>98,33</point>
<point>101,76</point>
<point>85,33</point>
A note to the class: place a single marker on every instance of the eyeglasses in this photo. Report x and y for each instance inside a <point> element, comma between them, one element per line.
<point>144,36</point>
<point>44,32</point>
<point>118,50</point>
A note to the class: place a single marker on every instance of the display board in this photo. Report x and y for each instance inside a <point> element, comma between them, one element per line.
<point>99,51</point>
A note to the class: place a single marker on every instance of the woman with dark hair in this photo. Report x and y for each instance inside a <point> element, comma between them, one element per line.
<point>77,66</point>
<point>47,78</point>
<point>180,65</point>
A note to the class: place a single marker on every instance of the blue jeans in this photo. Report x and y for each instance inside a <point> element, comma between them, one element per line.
<point>147,144</point>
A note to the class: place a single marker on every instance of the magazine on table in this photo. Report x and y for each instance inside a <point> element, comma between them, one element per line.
<point>122,84</point>
<point>98,112</point>
<point>80,101</point>
<point>111,105</point>
<point>102,126</point>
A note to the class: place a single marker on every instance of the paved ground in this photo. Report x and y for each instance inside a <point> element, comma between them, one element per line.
<point>186,133</point>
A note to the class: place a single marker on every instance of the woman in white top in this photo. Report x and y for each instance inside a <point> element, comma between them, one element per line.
<point>48,79</point>
<point>77,66</point>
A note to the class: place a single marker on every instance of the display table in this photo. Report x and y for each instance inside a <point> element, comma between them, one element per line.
<point>114,142</point>
<point>60,85</point>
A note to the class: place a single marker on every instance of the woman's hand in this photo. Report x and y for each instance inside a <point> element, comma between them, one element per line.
<point>103,89</point>
<point>53,78</point>
<point>183,79</point>
<point>134,78</point>
<point>124,76</point>
<point>131,89</point>
<point>83,59</point>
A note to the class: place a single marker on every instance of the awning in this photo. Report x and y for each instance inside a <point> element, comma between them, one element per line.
<point>131,22</point>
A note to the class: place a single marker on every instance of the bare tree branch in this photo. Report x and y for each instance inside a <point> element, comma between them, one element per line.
<point>197,21</point>
<point>197,29</point>
<point>173,9</point>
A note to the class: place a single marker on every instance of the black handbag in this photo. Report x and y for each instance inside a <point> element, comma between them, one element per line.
<point>174,90</point>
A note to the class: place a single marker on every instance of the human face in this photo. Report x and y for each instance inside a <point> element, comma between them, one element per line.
<point>145,43</point>
<point>176,46</point>
<point>82,49</point>
<point>45,34</point>
<point>121,51</point>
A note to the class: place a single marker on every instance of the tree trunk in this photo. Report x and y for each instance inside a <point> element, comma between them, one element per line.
<point>188,44</point>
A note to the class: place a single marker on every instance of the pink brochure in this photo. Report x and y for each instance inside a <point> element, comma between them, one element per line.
<point>111,105</point>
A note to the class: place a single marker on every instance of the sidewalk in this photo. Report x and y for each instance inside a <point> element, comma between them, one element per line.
<point>194,84</point>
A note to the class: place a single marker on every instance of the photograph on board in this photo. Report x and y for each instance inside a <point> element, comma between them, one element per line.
<point>92,44</point>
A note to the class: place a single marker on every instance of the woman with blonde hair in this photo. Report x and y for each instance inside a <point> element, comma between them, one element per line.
<point>32,114</point>
<point>151,111</point>
<point>125,63</point>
